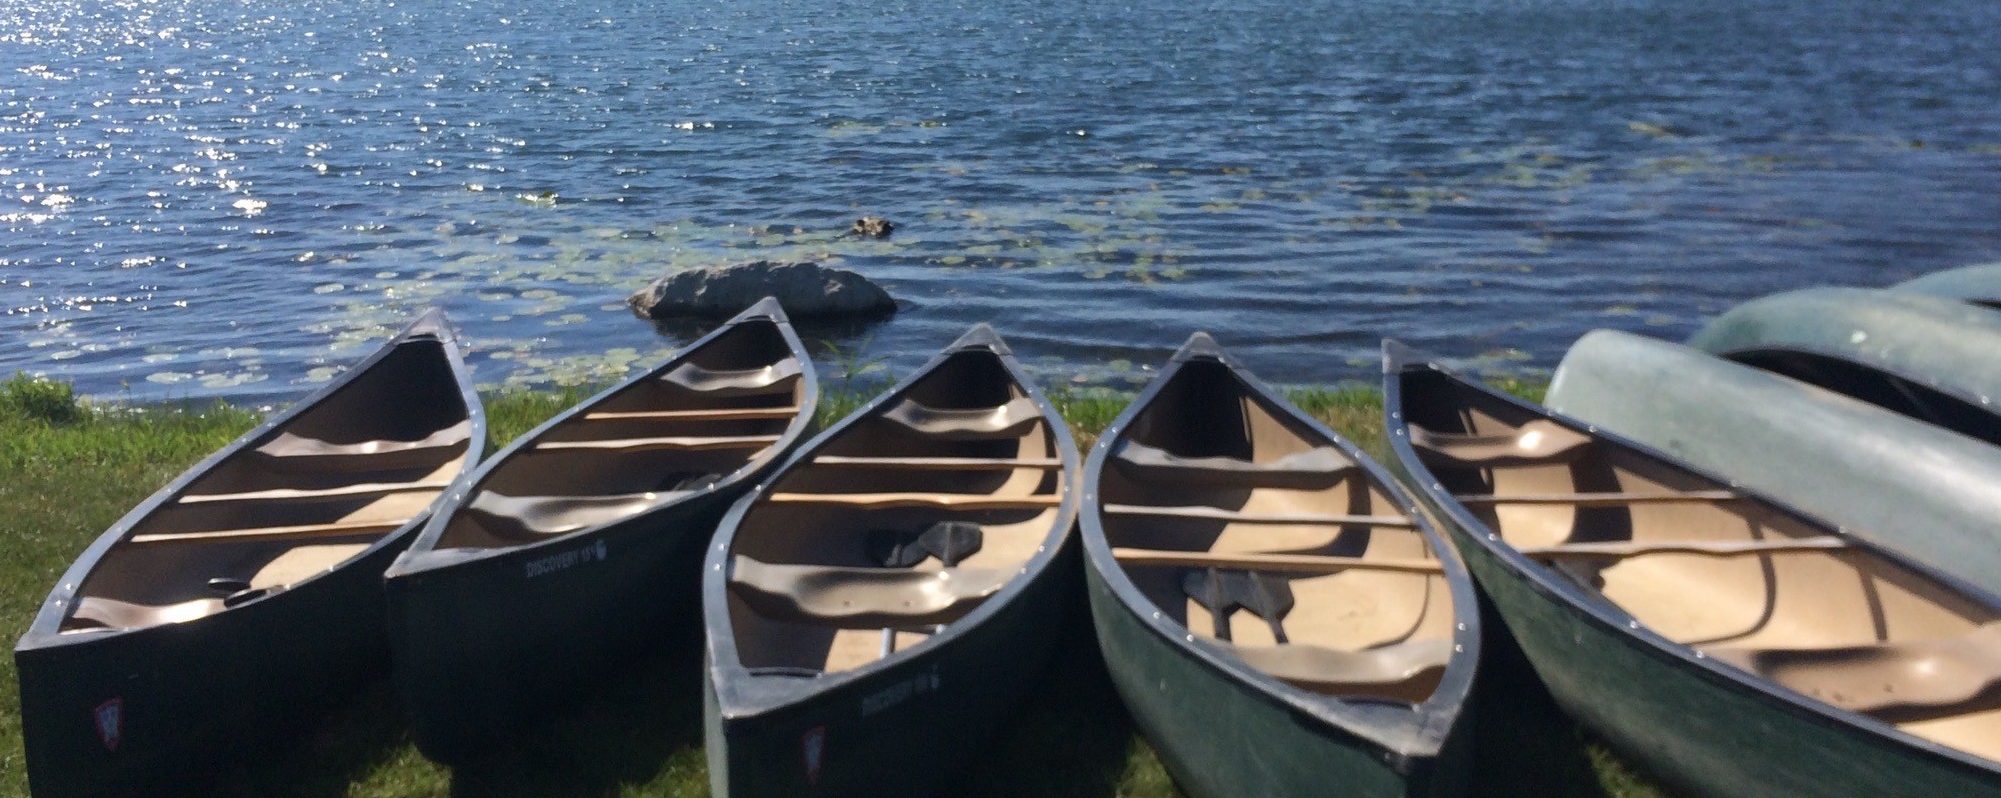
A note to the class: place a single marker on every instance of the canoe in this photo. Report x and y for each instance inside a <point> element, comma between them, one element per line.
<point>1934,359</point>
<point>1721,639</point>
<point>1928,492</point>
<point>879,606</point>
<point>1272,608</point>
<point>242,600</point>
<point>1979,284</point>
<point>583,539</point>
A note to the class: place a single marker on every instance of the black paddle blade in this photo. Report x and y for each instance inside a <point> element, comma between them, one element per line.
<point>1222,593</point>
<point>949,541</point>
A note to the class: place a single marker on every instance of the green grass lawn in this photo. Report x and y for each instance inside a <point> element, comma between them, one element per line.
<point>67,472</point>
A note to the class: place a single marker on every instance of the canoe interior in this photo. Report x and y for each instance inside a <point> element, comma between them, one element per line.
<point>1736,580</point>
<point>964,446</point>
<point>1880,388</point>
<point>357,465</point>
<point>1355,632</point>
<point>694,421</point>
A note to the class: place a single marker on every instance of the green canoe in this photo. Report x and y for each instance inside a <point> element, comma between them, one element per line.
<point>583,539</point>
<point>883,602</point>
<point>1934,359</point>
<point>244,599</point>
<point>1277,615</point>
<point>1725,642</point>
<point>1979,284</point>
<point>1926,491</point>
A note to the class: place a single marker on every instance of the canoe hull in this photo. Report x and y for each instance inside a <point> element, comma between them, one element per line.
<point>482,648</point>
<point>1702,733</point>
<point>1180,704</point>
<point>904,730</point>
<point>193,698</point>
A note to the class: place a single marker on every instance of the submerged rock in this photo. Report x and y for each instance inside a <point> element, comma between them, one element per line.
<point>806,289</point>
<point>873,227</point>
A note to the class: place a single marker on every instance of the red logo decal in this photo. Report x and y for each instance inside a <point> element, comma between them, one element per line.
<point>813,746</point>
<point>110,717</point>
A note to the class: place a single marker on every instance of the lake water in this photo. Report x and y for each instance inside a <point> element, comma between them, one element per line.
<point>233,198</point>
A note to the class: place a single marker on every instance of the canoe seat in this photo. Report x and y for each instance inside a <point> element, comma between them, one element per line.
<point>292,494</point>
<point>1919,674</point>
<point>712,414</point>
<point>1202,513</point>
<point>979,423</point>
<point>337,529</point>
<point>97,611</point>
<point>1537,442</point>
<point>940,463</point>
<point>1413,666</point>
<point>1296,564</point>
<point>1316,467</point>
<point>556,515</point>
<point>1601,499</point>
<point>863,597</point>
<point>691,443</point>
<point>738,382</point>
<point>1620,549</point>
<point>940,501</point>
<point>375,454</point>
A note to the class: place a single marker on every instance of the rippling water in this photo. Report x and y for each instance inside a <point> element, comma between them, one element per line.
<point>233,198</point>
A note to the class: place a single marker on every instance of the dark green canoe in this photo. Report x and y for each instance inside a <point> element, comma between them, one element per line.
<point>232,608</point>
<point>1726,642</point>
<point>1979,284</point>
<point>583,539</point>
<point>879,606</point>
<point>1273,609</point>
<point>1934,359</point>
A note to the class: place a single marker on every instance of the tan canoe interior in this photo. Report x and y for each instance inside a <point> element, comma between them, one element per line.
<point>355,466</point>
<point>816,584</point>
<point>1734,579</point>
<point>647,445</point>
<point>1210,490</point>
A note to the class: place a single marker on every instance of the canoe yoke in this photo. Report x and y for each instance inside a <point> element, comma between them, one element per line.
<point>1944,676</point>
<point>1317,467</point>
<point>1010,420</point>
<point>1539,441</point>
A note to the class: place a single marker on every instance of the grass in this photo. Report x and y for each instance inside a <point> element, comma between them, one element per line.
<point>69,469</point>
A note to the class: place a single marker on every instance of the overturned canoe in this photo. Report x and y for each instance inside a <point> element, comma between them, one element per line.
<point>245,597</point>
<point>1933,359</point>
<point>1272,608</point>
<point>584,538</point>
<point>879,606</point>
<point>1726,642</point>
<point>1923,490</point>
<point>1979,284</point>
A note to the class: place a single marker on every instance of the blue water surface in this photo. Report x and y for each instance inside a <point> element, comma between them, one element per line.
<point>232,198</point>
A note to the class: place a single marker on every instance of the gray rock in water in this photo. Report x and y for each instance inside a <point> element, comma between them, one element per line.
<point>873,227</point>
<point>806,289</point>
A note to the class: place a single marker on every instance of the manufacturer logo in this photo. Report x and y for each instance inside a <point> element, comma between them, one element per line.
<point>582,555</point>
<point>110,717</point>
<point>812,747</point>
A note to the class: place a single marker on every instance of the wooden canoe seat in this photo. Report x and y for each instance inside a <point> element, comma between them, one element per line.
<point>528,516</point>
<point>114,614</point>
<point>1918,674</point>
<point>1539,441</point>
<point>943,501</point>
<point>691,443</point>
<point>1314,467</point>
<point>941,463</point>
<point>1621,549</point>
<point>715,414</point>
<point>740,382</point>
<point>959,424</point>
<point>1600,499</point>
<point>1236,517</point>
<point>289,494</point>
<point>1413,665</point>
<point>376,454</point>
<point>1299,564</point>
<point>863,597</point>
<point>337,529</point>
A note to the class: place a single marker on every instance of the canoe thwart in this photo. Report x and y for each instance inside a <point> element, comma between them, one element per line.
<point>1539,441</point>
<point>1237,517</point>
<point>295,531</point>
<point>981,423</point>
<point>716,414</point>
<point>1881,676</point>
<point>941,463</point>
<point>692,443</point>
<point>1303,564</point>
<point>1321,464</point>
<point>1608,499</point>
<point>1706,548</point>
<point>948,501</point>
<point>863,597</point>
